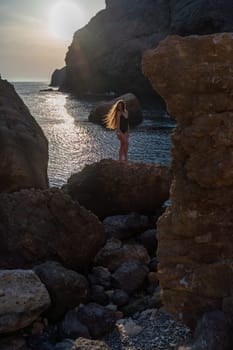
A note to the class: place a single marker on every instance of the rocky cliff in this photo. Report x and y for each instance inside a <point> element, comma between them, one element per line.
<point>58,77</point>
<point>24,148</point>
<point>105,55</point>
<point>194,76</point>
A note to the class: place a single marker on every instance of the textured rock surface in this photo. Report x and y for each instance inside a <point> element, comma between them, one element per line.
<point>100,276</point>
<point>130,276</point>
<point>98,319</point>
<point>72,328</point>
<point>82,344</point>
<point>132,104</point>
<point>110,187</point>
<point>22,299</point>
<point>24,148</point>
<point>115,253</point>
<point>125,226</point>
<point>67,288</point>
<point>213,332</point>
<point>13,343</point>
<point>37,226</point>
<point>149,240</point>
<point>194,76</point>
<point>105,55</point>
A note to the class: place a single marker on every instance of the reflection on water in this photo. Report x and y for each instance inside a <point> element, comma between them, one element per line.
<point>74,142</point>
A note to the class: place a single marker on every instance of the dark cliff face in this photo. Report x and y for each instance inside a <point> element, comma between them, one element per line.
<point>58,77</point>
<point>106,54</point>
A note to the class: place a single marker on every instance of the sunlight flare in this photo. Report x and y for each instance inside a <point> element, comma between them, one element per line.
<point>65,17</point>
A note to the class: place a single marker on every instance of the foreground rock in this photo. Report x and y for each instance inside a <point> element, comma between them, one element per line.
<point>213,332</point>
<point>67,288</point>
<point>13,343</point>
<point>132,104</point>
<point>24,148</point>
<point>125,30</point>
<point>110,187</point>
<point>82,344</point>
<point>22,299</point>
<point>195,234</point>
<point>37,226</point>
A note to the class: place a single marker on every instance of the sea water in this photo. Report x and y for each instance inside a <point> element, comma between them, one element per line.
<point>75,142</point>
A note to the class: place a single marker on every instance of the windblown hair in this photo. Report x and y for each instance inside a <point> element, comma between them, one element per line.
<point>110,120</point>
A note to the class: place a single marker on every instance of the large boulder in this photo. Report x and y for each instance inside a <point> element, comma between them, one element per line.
<point>37,226</point>
<point>110,187</point>
<point>23,298</point>
<point>133,106</point>
<point>67,288</point>
<point>105,55</point>
<point>194,75</point>
<point>24,148</point>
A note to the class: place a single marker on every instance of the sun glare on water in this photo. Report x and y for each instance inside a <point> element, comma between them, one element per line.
<point>65,17</point>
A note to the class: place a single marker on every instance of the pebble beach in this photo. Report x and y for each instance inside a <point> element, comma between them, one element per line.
<point>151,329</point>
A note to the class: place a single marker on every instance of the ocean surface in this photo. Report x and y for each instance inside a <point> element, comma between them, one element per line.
<point>75,142</point>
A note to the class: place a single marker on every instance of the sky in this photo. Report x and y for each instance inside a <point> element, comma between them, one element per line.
<point>35,35</point>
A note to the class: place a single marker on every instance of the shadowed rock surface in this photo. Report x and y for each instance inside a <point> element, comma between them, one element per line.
<point>16,343</point>
<point>98,319</point>
<point>37,226</point>
<point>106,54</point>
<point>66,288</point>
<point>123,227</point>
<point>72,328</point>
<point>110,187</point>
<point>82,344</point>
<point>213,332</point>
<point>23,298</point>
<point>130,276</point>
<point>58,77</point>
<point>194,76</point>
<point>114,253</point>
<point>24,148</point>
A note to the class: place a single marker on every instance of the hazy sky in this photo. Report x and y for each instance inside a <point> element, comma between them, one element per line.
<point>35,34</point>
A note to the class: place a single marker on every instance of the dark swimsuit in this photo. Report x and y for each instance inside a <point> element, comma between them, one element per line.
<point>124,124</point>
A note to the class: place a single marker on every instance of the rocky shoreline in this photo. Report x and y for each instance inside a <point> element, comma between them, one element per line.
<point>79,267</point>
<point>68,272</point>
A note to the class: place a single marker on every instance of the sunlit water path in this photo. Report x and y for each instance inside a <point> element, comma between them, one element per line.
<point>74,142</point>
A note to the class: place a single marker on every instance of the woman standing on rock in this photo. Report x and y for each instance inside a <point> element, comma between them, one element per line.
<point>118,118</point>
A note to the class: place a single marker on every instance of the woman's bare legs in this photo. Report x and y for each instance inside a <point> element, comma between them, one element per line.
<point>124,145</point>
<point>121,150</point>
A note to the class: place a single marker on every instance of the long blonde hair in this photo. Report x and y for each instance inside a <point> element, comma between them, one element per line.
<point>110,120</point>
